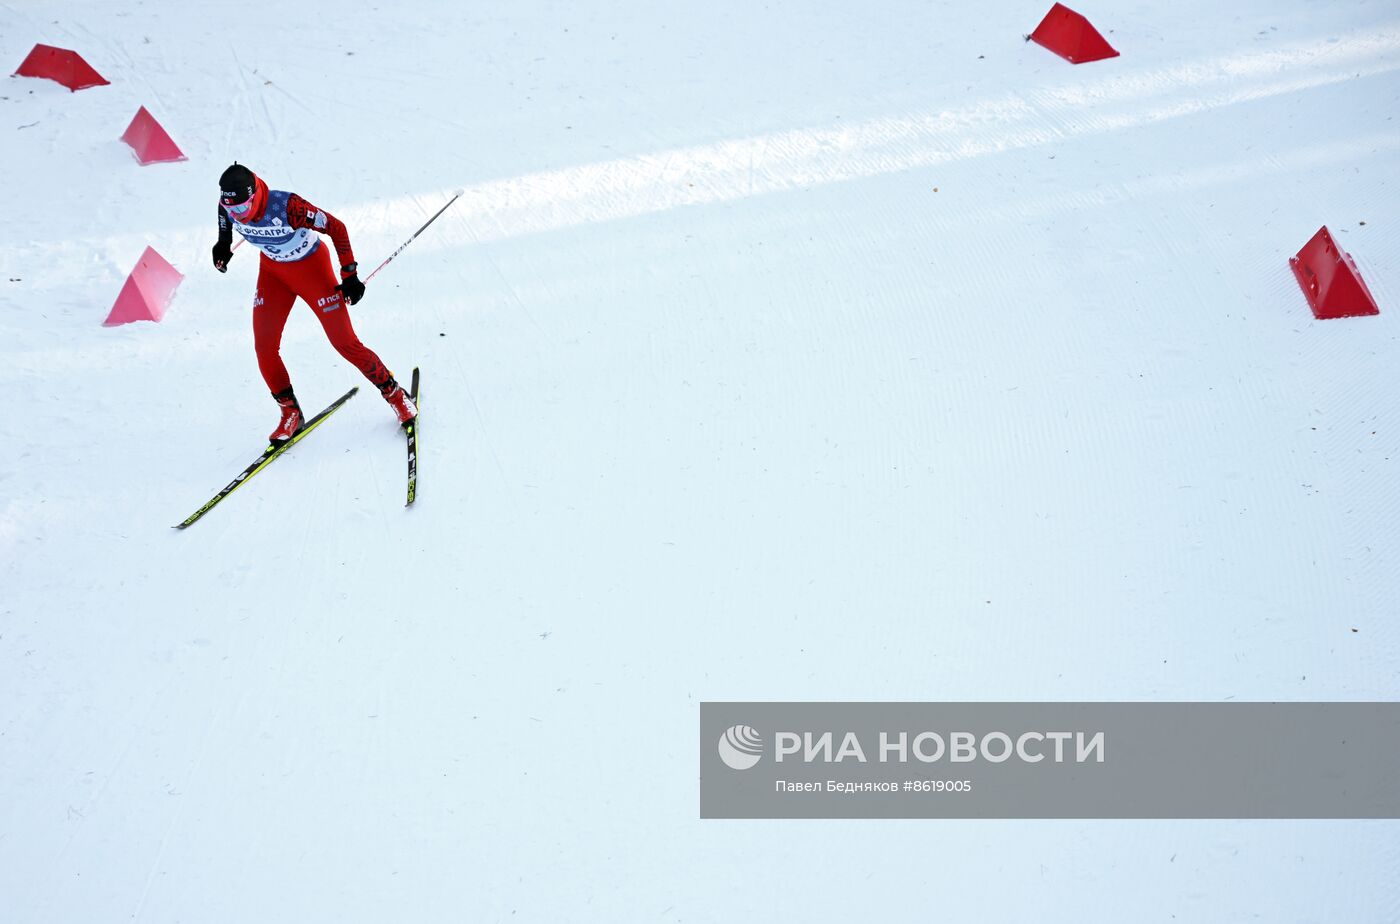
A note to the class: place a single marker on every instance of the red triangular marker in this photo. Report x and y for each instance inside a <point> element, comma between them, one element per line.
<point>60,64</point>
<point>1331,282</point>
<point>149,141</point>
<point>1071,36</point>
<point>147,291</point>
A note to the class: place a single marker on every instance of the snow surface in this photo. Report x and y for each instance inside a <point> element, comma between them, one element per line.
<point>781,351</point>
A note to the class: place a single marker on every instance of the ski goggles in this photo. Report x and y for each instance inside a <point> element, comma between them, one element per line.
<point>238,209</point>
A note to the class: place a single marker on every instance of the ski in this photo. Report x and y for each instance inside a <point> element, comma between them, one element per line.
<point>411,429</point>
<point>270,453</point>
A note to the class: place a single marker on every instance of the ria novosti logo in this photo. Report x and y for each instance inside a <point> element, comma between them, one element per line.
<point>740,747</point>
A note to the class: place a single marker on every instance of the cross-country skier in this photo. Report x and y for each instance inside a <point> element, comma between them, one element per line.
<point>293,263</point>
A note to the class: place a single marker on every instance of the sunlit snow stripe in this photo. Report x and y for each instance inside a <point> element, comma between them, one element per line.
<point>802,158</point>
<point>797,159</point>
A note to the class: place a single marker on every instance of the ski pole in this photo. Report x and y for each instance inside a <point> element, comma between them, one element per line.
<point>455,197</point>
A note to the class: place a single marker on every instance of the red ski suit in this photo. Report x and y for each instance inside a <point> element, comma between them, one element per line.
<point>309,277</point>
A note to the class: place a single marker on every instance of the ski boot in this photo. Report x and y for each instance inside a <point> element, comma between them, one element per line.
<point>399,400</point>
<point>291,420</point>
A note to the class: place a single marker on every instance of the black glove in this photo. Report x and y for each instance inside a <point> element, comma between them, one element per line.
<point>351,289</point>
<point>222,254</point>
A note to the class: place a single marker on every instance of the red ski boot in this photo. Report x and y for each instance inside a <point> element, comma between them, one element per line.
<point>400,401</point>
<point>291,420</point>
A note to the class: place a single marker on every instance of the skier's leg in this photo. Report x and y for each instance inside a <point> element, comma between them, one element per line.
<point>342,336</point>
<point>315,282</point>
<point>271,306</point>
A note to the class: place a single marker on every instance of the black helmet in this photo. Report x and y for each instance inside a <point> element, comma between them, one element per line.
<point>237,185</point>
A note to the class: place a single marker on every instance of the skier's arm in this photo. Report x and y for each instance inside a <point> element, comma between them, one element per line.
<point>302,214</point>
<point>223,251</point>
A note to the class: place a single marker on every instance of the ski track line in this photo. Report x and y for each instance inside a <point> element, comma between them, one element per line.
<point>511,292</point>
<point>313,501</point>
<point>153,700</point>
<point>481,421</point>
<point>268,124</point>
<point>1172,184</point>
<point>918,431</point>
<point>178,815</point>
<point>269,82</point>
<point>242,104</point>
